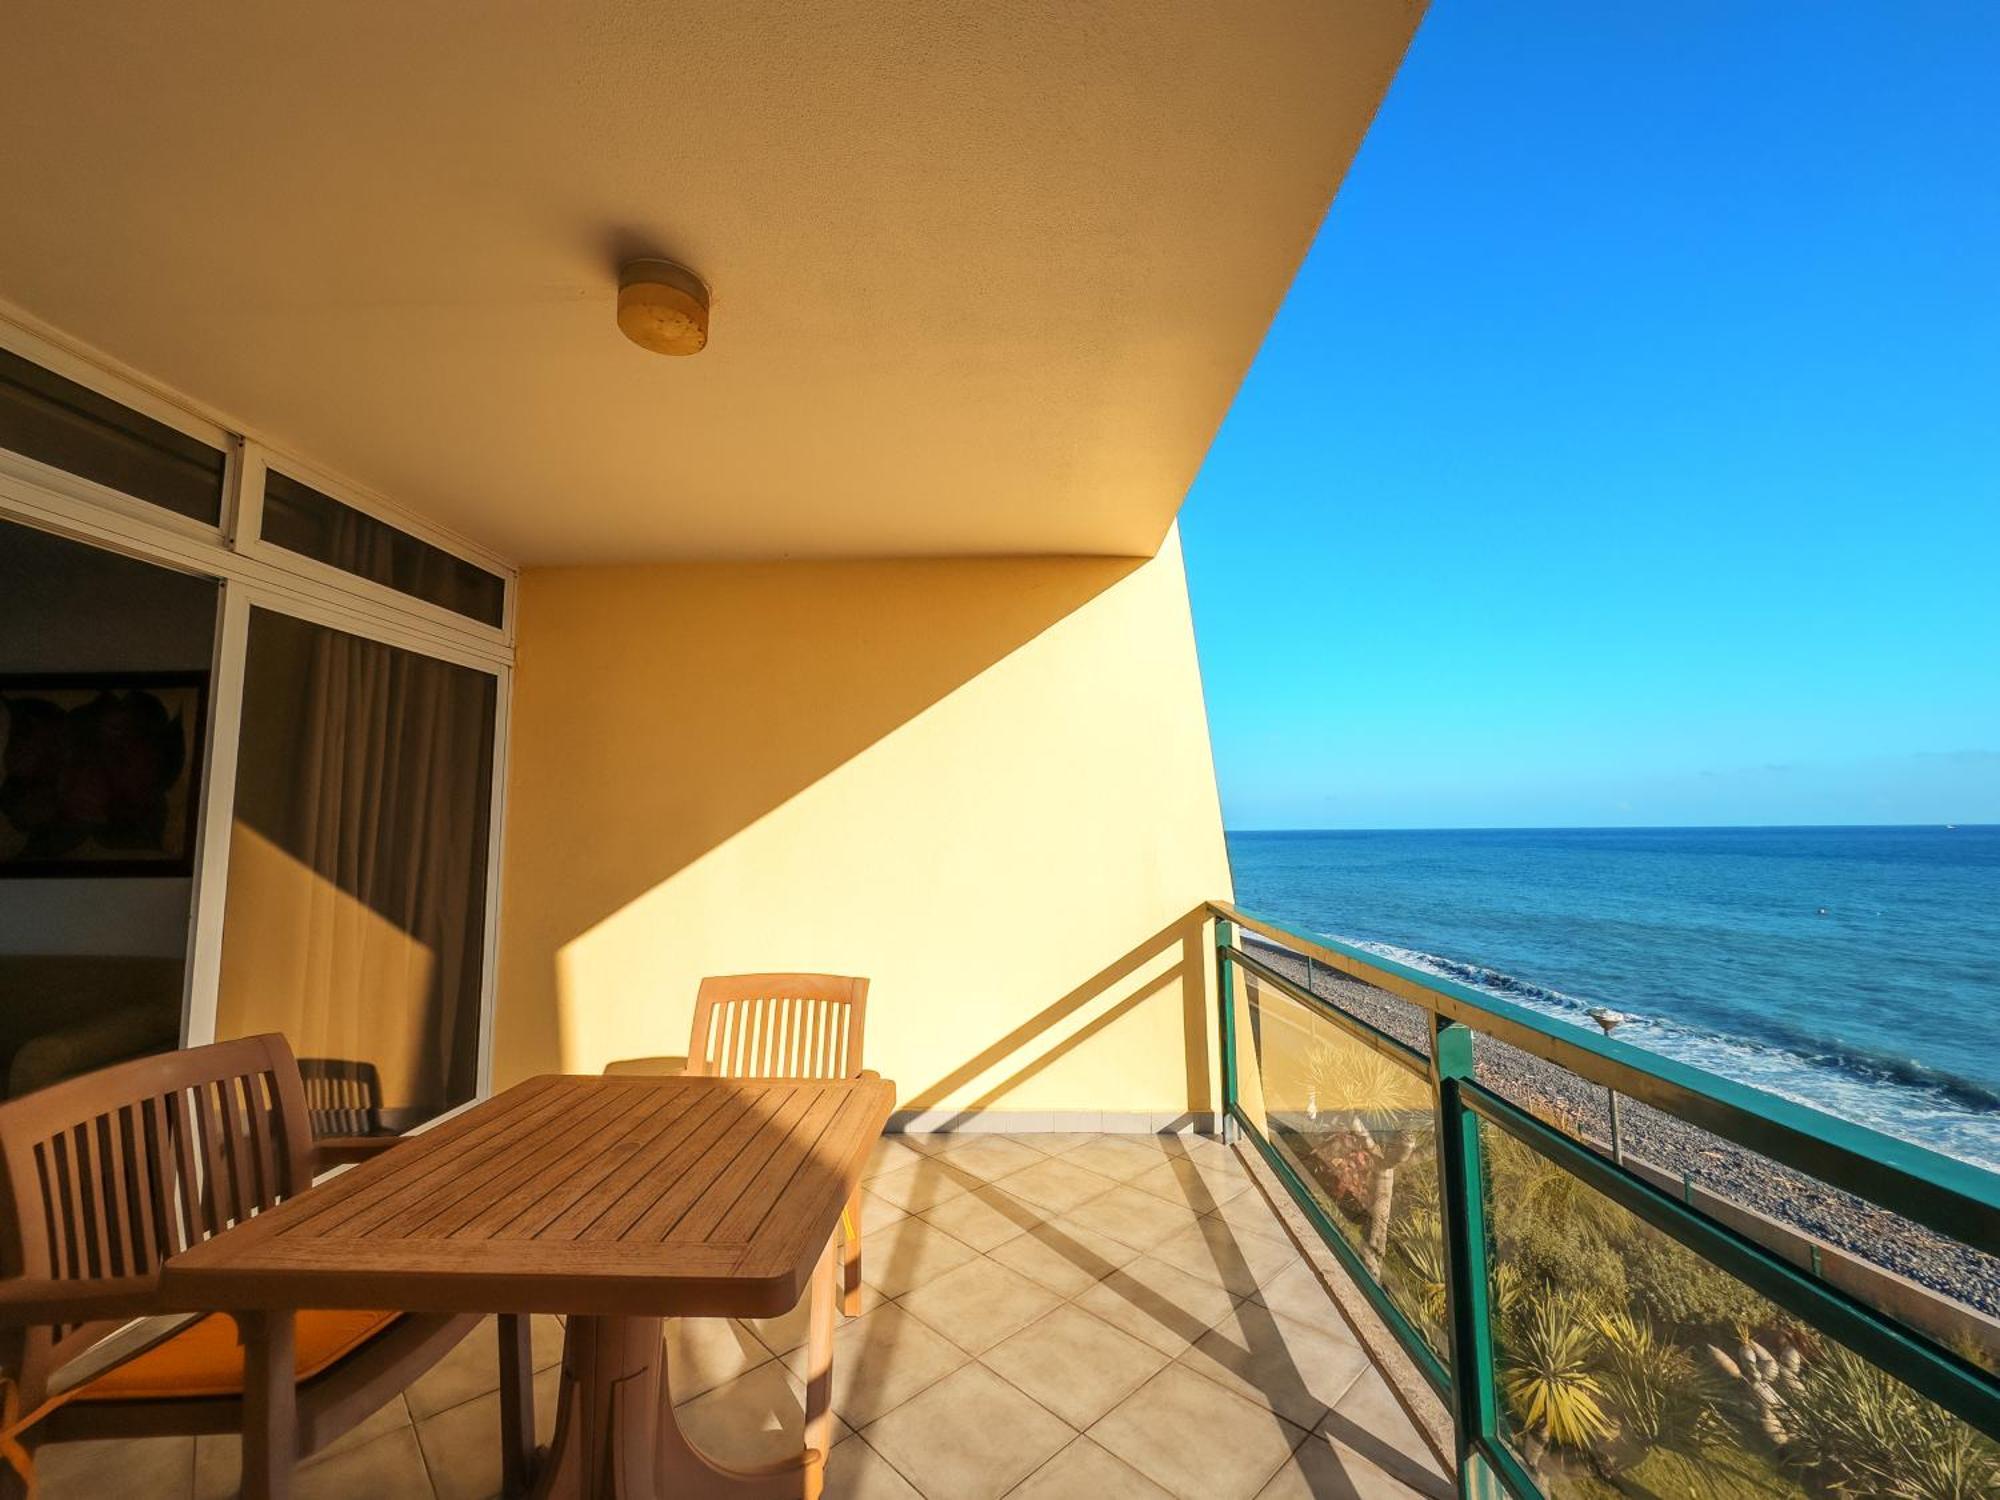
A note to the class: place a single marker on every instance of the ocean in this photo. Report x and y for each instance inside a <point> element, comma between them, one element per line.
<point>1856,970</point>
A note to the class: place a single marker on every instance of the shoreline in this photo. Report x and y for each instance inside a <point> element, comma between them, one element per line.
<point>1707,1161</point>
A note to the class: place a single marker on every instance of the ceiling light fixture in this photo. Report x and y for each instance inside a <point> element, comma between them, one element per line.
<point>663,307</point>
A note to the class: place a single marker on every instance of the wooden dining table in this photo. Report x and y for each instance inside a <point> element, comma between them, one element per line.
<point>616,1202</point>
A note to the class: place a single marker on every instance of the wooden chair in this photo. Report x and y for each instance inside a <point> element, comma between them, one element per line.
<point>106,1176</point>
<point>787,1026</point>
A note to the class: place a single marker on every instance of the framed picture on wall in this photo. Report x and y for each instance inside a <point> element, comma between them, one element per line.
<point>100,773</point>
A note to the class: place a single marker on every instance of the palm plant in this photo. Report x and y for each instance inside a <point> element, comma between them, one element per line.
<point>1384,1108</point>
<point>1547,1377</point>
<point>1415,1271</point>
<point>1662,1398</point>
<point>1416,1268</point>
<point>1858,1431</point>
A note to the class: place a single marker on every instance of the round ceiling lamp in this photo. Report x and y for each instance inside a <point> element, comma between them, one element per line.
<point>663,307</point>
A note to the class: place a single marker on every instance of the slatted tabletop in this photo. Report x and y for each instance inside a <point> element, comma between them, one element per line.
<point>595,1196</point>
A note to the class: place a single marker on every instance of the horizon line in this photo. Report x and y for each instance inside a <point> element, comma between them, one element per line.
<point>1605,827</point>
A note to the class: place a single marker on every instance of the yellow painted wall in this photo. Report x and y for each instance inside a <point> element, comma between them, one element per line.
<point>985,784</point>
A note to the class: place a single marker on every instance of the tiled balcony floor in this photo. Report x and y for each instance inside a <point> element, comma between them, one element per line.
<point>1045,1316</point>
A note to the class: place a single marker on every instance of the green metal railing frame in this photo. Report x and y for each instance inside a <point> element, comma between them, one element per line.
<point>1952,1197</point>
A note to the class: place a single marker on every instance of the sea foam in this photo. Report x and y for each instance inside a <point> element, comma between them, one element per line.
<point>1898,1096</point>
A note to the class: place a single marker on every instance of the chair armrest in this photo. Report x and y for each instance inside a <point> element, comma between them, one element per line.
<point>29,1301</point>
<point>341,1150</point>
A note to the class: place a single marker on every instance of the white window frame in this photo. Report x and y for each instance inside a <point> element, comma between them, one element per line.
<point>250,541</point>
<point>255,574</point>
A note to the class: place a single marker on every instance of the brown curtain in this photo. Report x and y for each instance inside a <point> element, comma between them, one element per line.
<point>354,920</point>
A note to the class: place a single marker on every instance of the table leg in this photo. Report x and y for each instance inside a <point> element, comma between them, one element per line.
<point>828,1286</point>
<point>517,1404</point>
<point>616,1437</point>
<point>270,1403</point>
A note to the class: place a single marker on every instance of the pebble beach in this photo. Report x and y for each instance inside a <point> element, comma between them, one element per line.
<point>1756,1182</point>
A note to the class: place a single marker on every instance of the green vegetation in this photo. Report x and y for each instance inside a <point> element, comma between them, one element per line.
<point>1626,1364</point>
<point>1630,1366</point>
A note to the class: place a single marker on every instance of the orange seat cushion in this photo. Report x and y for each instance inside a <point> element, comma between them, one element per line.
<point>205,1359</point>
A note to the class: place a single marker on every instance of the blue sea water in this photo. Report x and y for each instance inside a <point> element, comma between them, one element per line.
<point>1853,969</point>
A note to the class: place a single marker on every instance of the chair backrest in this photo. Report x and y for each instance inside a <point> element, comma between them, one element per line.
<point>105,1176</point>
<point>778,1026</point>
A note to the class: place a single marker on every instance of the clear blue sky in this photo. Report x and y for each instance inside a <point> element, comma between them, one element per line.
<point>1628,449</point>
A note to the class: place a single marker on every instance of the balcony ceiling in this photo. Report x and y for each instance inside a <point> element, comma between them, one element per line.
<point>986,275</point>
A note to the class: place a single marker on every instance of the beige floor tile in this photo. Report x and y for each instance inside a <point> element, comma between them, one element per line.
<point>1300,1295</point>
<point>857,1472</point>
<point>927,1142</point>
<point>472,1368</point>
<point>1063,1256</point>
<point>1320,1469</point>
<point>1198,1183</point>
<point>1159,1303</point>
<point>1210,1249</point>
<point>784,1333</point>
<point>1250,1214</point>
<point>1076,1365</point>
<point>909,1253</point>
<point>1119,1157</point>
<point>880,1361</point>
<point>1297,1371</point>
<point>1053,1142</point>
<point>979,1304</point>
<point>1370,1420</point>
<point>991,1156</point>
<point>545,1339</point>
<point>757,1418</point>
<point>985,1217</point>
<point>1195,1439</point>
<point>878,1213</point>
<point>703,1353</point>
<point>923,1184</point>
<point>939,1142</point>
<point>891,1154</point>
<point>1189,1146</point>
<point>125,1467</point>
<point>1139,1219</point>
<point>1084,1471</point>
<point>1056,1184</point>
<point>218,1459</point>
<point>390,1467</point>
<point>461,1447</point>
<point>1058,1142</point>
<point>969,1437</point>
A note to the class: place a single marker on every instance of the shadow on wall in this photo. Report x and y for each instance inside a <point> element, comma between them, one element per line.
<point>973,781</point>
<point>1028,1050</point>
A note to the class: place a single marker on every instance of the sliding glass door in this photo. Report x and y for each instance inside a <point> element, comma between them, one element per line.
<point>355,915</point>
<point>252,722</point>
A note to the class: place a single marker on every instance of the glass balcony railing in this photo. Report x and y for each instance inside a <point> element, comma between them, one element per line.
<point>1611,1266</point>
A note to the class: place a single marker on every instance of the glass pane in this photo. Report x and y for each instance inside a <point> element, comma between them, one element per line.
<point>71,427</point>
<point>1896,1265</point>
<point>1407,1023</point>
<point>355,915</point>
<point>302,520</point>
<point>1628,1365</point>
<point>104,666</point>
<point>1356,1126</point>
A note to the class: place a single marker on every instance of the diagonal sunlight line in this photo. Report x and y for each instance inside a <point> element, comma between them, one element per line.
<point>1074,1040</point>
<point>1183,930</point>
